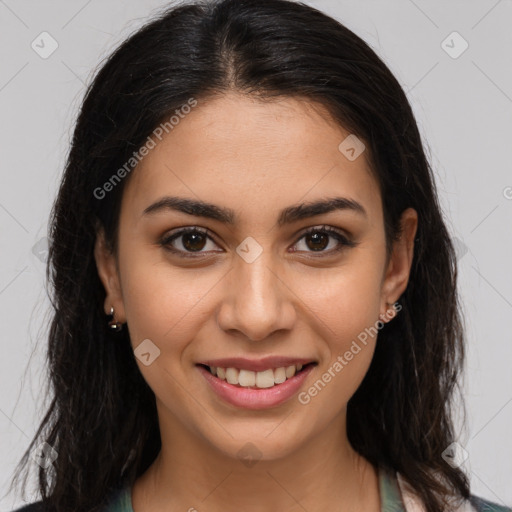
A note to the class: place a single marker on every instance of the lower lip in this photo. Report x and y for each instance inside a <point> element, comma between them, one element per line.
<point>247,398</point>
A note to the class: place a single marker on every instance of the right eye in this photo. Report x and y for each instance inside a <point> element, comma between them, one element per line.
<point>192,240</point>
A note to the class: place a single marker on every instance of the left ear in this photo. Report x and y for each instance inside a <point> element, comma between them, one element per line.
<point>400,262</point>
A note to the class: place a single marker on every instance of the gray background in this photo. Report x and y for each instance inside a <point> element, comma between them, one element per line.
<point>464,109</point>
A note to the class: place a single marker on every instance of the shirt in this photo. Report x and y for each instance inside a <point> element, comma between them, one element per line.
<point>396,495</point>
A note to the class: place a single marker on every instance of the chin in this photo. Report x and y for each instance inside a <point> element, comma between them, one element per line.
<point>260,441</point>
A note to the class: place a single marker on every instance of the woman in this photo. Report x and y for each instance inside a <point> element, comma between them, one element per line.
<point>254,288</point>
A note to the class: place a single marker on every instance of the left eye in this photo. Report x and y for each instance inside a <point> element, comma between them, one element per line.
<point>194,240</point>
<point>317,239</point>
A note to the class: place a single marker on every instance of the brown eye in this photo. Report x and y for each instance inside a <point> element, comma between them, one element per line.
<point>318,239</point>
<point>193,241</point>
<point>187,241</point>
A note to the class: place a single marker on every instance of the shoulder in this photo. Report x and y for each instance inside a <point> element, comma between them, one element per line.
<point>118,500</point>
<point>472,504</point>
<point>483,505</point>
<point>31,507</point>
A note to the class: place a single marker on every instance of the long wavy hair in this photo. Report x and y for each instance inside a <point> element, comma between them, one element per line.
<point>102,419</point>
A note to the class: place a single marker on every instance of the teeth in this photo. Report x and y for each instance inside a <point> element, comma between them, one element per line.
<point>246,378</point>
<point>290,371</point>
<point>279,375</point>
<point>265,379</point>
<point>232,375</point>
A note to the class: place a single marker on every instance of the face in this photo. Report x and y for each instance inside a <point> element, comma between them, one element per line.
<point>258,280</point>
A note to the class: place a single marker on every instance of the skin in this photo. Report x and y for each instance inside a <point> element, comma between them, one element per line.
<point>255,158</point>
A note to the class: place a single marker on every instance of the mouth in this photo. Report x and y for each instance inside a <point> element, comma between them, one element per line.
<point>263,379</point>
<point>251,384</point>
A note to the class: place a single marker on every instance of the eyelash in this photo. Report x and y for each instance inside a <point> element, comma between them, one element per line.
<point>342,239</point>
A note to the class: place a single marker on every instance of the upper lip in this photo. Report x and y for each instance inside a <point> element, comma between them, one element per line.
<point>256,365</point>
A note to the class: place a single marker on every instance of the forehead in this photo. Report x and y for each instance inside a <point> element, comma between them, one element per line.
<point>242,152</point>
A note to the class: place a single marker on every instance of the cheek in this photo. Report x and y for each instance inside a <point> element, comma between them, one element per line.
<point>349,326</point>
<point>344,300</point>
<point>162,303</point>
<point>346,304</point>
<point>167,307</point>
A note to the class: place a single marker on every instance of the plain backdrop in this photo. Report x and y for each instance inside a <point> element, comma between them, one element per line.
<point>462,99</point>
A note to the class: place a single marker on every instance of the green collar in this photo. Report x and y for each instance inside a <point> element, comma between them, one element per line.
<point>390,495</point>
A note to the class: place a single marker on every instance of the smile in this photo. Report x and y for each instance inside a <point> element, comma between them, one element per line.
<point>256,389</point>
<point>261,380</point>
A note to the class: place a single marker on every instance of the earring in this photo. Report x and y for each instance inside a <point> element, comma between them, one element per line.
<point>114,325</point>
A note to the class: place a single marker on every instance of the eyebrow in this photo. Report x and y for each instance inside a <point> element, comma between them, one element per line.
<point>228,216</point>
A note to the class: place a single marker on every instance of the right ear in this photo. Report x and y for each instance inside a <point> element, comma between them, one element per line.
<point>108,272</point>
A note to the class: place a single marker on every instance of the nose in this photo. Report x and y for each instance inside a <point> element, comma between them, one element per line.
<point>257,300</point>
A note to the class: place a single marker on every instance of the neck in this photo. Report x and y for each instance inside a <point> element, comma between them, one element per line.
<point>323,473</point>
